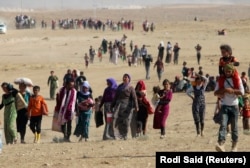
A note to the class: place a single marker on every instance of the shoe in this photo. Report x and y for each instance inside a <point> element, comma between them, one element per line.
<point>38,138</point>
<point>220,147</point>
<point>23,142</point>
<point>162,136</point>
<point>234,147</point>
<point>86,139</point>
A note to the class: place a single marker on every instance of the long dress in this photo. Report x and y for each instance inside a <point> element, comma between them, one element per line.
<point>161,115</point>
<point>52,82</point>
<point>124,103</point>
<point>65,108</point>
<point>107,99</point>
<point>142,116</point>
<point>169,54</point>
<point>10,115</point>
<point>161,52</point>
<point>82,127</point>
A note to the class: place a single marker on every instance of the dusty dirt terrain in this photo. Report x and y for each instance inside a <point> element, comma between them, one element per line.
<point>35,52</point>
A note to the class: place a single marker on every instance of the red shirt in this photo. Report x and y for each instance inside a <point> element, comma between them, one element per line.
<point>246,111</point>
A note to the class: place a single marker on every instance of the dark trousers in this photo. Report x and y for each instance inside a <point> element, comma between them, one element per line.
<point>66,129</point>
<point>21,122</point>
<point>163,131</point>
<point>198,108</point>
<point>35,124</point>
<point>198,58</point>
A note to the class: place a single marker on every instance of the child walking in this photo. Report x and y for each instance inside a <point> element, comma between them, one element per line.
<point>100,54</point>
<point>35,113</point>
<point>246,116</point>
<point>86,59</point>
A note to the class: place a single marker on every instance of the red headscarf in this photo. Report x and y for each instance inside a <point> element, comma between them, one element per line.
<point>140,86</point>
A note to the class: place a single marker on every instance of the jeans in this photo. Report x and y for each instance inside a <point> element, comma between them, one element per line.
<point>229,116</point>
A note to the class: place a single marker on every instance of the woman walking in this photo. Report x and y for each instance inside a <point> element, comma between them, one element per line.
<point>162,109</point>
<point>125,102</point>
<point>10,114</point>
<point>84,104</point>
<point>53,84</point>
<point>107,99</point>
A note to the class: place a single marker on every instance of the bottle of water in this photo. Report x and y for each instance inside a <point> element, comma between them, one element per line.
<point>1,143</point>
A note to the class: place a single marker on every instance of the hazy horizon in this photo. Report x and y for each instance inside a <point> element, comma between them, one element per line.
<point>81,4</point>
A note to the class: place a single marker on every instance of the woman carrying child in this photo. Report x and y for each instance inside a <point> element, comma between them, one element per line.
<point>162,109</point>
<point>84,110</point>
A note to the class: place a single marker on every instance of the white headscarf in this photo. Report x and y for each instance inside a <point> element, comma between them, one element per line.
<point>162,43</point>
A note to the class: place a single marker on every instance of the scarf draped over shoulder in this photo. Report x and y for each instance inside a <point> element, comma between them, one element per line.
<point>66,101</point>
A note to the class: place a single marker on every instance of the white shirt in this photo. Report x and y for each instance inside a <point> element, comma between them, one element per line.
<point>230,99</point>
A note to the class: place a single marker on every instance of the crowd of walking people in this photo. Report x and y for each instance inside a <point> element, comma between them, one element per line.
<point>125,108</point>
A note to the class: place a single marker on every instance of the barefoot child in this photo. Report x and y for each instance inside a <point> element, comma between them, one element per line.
<point>35,113</point>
